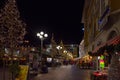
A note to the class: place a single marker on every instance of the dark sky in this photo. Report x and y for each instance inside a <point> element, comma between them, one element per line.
<point>61,17</point>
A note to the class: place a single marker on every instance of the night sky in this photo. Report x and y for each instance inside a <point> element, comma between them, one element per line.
<point>60,17</point>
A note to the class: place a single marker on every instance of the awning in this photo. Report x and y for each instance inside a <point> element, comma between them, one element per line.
<point>114,41</point>
<point>98,47</point>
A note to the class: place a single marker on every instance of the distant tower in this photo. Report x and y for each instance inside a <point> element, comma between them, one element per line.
<point>62,45</point>
<point>53,45</point>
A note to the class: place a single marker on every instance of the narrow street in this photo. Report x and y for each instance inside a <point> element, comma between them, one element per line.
<point>69,72</point>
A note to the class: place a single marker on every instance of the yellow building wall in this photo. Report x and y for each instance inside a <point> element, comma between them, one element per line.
<point>88,27</point>
<point>85,37</point>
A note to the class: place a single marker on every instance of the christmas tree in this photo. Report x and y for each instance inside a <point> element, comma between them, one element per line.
<point>12,29</point>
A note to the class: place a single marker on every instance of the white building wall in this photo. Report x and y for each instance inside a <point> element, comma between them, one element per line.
<point>81,49</point>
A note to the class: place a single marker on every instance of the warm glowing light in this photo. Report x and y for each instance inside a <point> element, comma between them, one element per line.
<point>98,57</point>
<point>59,47</point>
<point>41,37</point>
<point>38,34</point>
<point>65,51</point>
<point>46,35</point>
<point>41,33</point>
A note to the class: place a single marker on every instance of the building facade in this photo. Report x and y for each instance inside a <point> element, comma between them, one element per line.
<point>101,20</point>
<point>81,49</point>
<point>73,48</point>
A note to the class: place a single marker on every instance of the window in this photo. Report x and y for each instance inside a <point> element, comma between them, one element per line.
<point>104,10</point>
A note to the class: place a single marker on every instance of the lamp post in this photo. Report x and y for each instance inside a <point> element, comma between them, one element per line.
<point>42,36</point>
<point>98,58</point>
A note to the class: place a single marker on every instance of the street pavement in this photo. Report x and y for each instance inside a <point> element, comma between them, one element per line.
<point>5,74</point>
<point>69,72</point>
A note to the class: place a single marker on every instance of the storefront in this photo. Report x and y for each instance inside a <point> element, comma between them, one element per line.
<point>106,53</point>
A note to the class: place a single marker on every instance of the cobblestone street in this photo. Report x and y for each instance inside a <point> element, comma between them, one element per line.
<point>64,73</point>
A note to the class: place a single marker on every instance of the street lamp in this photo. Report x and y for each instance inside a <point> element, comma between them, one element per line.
<point>42,36</point>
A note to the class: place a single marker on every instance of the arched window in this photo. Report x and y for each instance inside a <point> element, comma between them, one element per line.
<point>112,35</point>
